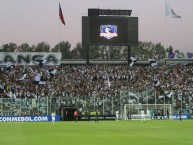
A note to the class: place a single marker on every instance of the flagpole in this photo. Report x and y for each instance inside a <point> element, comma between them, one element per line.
<point>165,25</point>
<point>147,100</point>
<point>164,104</point>
<point>59,37</point>
<point>112,105</point>
<point>103,105</point>
<point>47,103</point>
<point>155,100</point>
<point>2,105</point>
<point>94,102</point>
<point>59,29</point>
<point>181,102</point>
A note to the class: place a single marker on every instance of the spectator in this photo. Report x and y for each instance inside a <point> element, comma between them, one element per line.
<point>67,84</point>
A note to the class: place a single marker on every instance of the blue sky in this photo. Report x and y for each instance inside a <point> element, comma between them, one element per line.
<point>34,21</point>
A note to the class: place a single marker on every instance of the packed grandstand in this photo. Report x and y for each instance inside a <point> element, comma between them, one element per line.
<point>106,87</point>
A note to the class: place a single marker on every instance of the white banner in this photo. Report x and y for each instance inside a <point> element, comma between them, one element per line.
<point>30,58</point>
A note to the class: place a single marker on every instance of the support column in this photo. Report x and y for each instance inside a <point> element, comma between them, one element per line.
<point>129,54</point>
<point>87,54</point>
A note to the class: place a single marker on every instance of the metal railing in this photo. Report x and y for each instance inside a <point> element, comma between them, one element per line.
<point>105,103</point>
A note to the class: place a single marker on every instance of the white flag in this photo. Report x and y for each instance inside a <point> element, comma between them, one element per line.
<point>133,60</point>
<point>107,82</point>
<point>156,83</point>
<point>153,62</point>
<point>23,77</point>
<point>160,97</point>
<point>170,12</point>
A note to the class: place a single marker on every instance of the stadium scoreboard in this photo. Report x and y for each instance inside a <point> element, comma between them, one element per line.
<point>110,29</point>
<point>109,12</point>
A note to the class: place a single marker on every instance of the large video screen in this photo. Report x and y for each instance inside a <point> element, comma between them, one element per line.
<point>109,30</point>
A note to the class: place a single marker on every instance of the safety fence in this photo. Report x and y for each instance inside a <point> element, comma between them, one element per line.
<point>105,103</point>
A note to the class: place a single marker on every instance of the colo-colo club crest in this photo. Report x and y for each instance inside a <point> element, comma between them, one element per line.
<point>108,31</point>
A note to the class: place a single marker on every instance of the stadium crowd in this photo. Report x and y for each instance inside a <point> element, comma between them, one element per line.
<point>91,85</point>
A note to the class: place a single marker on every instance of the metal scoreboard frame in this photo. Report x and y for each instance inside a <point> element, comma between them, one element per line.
<point>109,28</point>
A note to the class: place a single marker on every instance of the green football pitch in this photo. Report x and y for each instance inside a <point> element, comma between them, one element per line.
<point>162,132</point>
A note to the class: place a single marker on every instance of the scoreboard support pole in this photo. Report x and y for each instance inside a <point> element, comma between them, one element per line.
<point>129,54</point>
<point>87,54</point>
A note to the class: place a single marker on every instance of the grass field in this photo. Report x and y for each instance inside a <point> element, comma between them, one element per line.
<point>162,132</point>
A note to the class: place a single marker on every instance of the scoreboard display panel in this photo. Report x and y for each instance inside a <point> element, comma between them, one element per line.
<point>109,30</point>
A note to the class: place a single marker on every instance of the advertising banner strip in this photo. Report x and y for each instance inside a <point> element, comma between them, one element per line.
<point>173,117</point>
<point>28,118</point>
<point>180,55</point>
<point>30,58</point>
